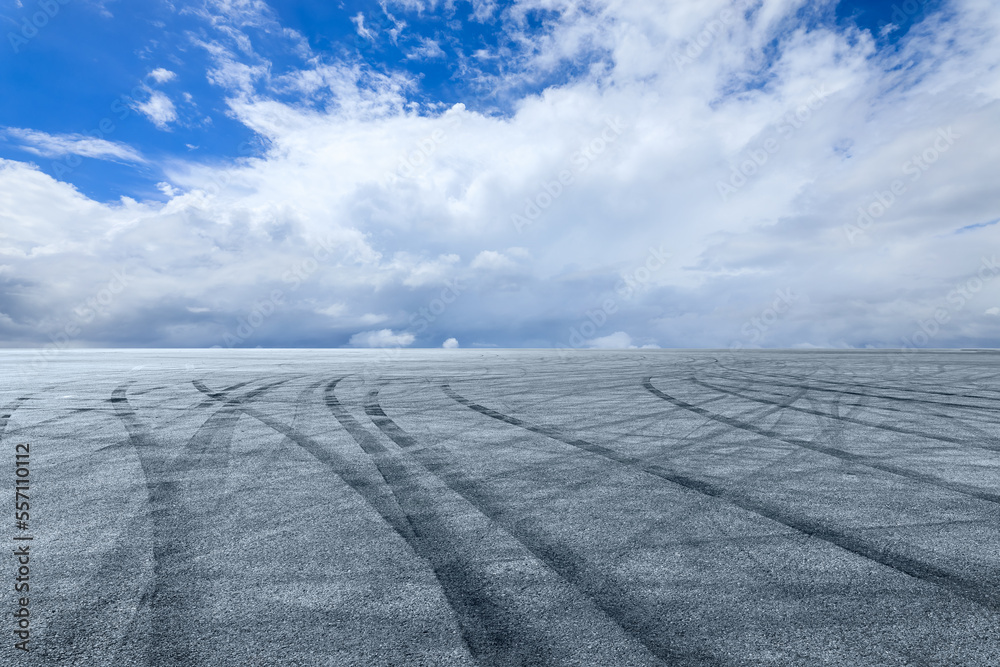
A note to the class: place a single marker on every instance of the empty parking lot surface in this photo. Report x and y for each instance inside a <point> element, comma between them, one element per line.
<point>464,507</point>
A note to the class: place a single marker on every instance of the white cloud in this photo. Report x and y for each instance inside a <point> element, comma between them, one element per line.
<point>167,189</point>
<point>232,233</point>
<point>333,310</point>
<point>359,24</point>
<point>60,145</point>
<point>450,344</point>
<point>382,338</point>
<point>491,260</point>
<point>428,49</point>
<point>161,75</point>
<point>993,311</point>
<point>416,272</point>
<point>159,109</point>
<point>619,340</point>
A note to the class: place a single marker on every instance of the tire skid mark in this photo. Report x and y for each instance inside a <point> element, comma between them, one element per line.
<point>7,411</point>
<point>608,592</point>
<point>388,466</point>
<point>174,595</point>
<point>372,491</point>
<point>906,390</point>
<point>852,420</point>
<point>206,440</point>
<point>222,393</point>
<point>693,442</point>
<point>491,633</point>
<point>850,457</point>
<point>930,574</point>
<point>767,412</point>
<point>277,453</point>
<point>202,404</point>
<point>971,590</point>
<point>976,408</point>
<point>147,391</point>
<point>541,430</point>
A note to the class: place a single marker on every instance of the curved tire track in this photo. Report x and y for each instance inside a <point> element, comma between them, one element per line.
<point>172,598</point>
<point>609,593</point>
<point>903,564</point>
<point>906,390</point>
<point>489,602</point>
<point>373,491</point>
<point>844,455</point>
<point>844,418</point>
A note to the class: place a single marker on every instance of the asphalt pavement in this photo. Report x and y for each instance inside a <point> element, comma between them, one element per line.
<point>489,507</point>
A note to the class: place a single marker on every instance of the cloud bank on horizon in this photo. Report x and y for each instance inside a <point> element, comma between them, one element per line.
<point>531,173</point>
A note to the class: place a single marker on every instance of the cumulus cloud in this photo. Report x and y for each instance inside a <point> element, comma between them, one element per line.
<point>167,189</point>
<point>161,75</point>
<point>787,151</point>
<point>159,109</point>
<point>450,344</point>
<point>382,338</point>
<point>619,340</point>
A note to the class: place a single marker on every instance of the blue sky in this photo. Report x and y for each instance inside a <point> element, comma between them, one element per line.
<point>537,173</point>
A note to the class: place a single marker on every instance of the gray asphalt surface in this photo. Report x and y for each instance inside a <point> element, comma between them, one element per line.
<point>469,507</point>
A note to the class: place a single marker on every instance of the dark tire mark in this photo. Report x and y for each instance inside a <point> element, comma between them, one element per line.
<point>858,459</point>
<point>541,430</point>
<point>146,391</point>
<point>208,448</point>
<point>222,393</point>
<point>169,641</point>
<point>175,594</point>
<point>7,411</point>
<point>609,593</point>
<point>906,390</point>
<point>488,627</point>
<point>372,490</point>
<point>780,382</point>
<point>970,590</point>
<point>844,418</point>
